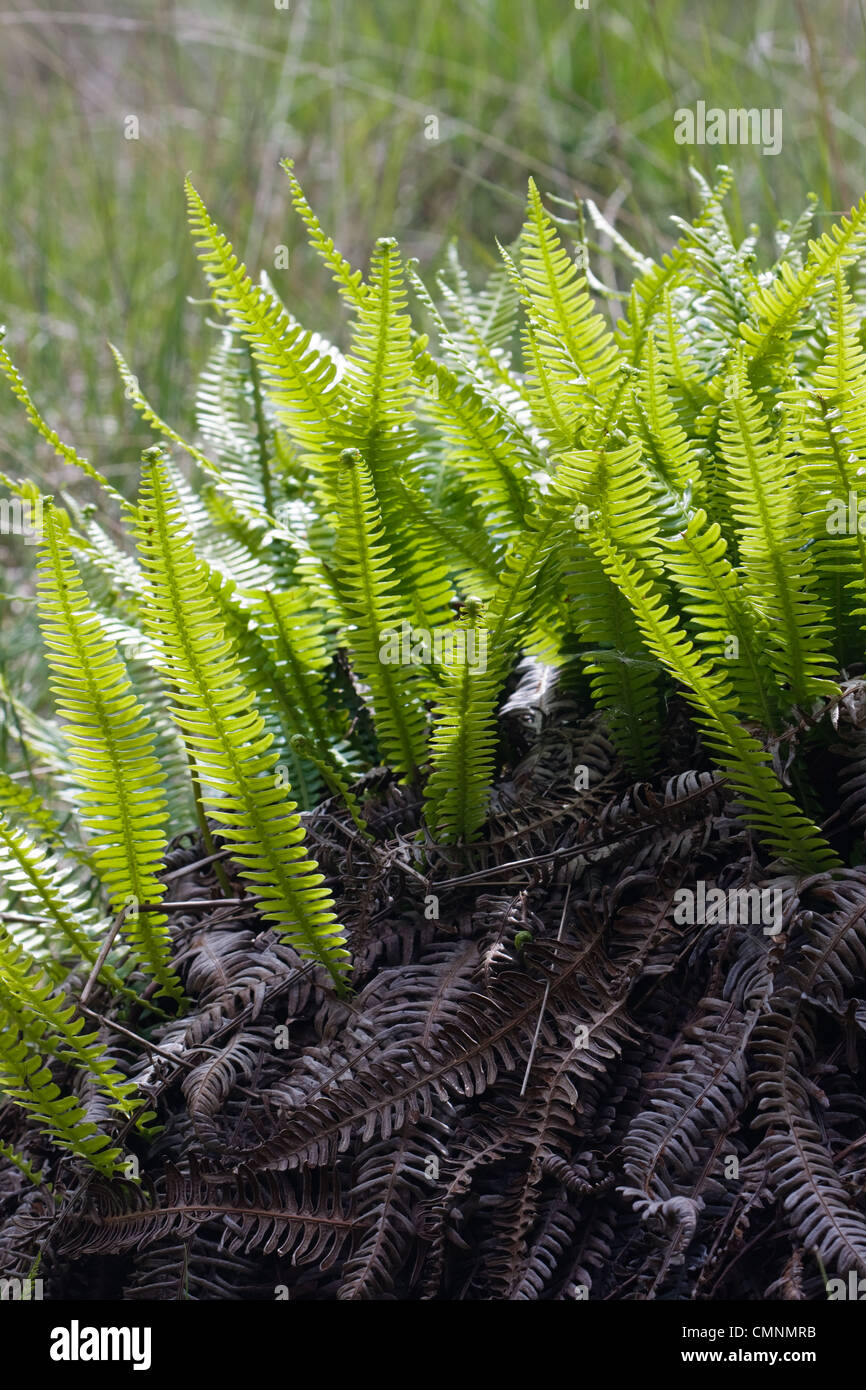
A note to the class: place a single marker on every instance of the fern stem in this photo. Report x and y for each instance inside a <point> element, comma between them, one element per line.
<point>207,838</point>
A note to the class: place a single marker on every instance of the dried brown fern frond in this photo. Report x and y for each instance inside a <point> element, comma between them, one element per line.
<point>548,1087</point>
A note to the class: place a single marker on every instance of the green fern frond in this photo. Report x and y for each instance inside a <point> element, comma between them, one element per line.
<point>28,807</point>
<point>775,308</point>
<point>792,239</point>
<point>230,418</point>
<point>280,649</point>
<point>38,738</point>
<point>557,418</point>
<point>721,272</point>
<point>615,486</point>
<point>23,1164</point>
<point>110,574</point>
<point>292,631</point>
<point>829,436</point>
<point>623,677</point>
<point>768,807</point>
<point>500,390</point>
<point>464,736</point>
<point>581,360</point>
<point>680,362</point>
<point>651,292</point>
<point>68,928</point>
<point>26,1079</point>
<point>646,302</point>
<point>63,450</point>
<point>375,617</point>
<point>44,1014</point>
<point>242,496</point>
<point>725,623</point>
<point>140,656</point>
<point>376,418</point>
<point>298,376</point>
<point>111,751</point>
<point>483,446</point>
<point>485,325</point>
<point>777,570</point>
<point>458,521</point>
<point>614,493</point>
<point>349,282</point>
<point>654,420</point>
<point>334,779</point>
<point>223,732</point>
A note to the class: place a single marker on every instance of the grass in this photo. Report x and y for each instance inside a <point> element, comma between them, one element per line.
<point>93,243</point>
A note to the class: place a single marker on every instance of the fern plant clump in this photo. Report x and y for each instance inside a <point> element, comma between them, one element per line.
<point>442,867</point>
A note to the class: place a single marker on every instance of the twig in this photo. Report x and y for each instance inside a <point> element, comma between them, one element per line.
<point>103,955</point>
<point>196,902</point>
<point>570,851</point>
<point>544,1000</point>
<point>199,864</point>
<point>148,907</point>
<point>136,1038</point>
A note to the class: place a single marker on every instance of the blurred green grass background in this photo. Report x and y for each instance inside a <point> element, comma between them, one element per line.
<point>93,242</point>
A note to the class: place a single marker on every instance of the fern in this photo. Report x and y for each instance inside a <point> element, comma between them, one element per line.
<point>223,733</point>
<point>37,878</point>
<point>484,446</point>
<point>350,282</point>
<point>63,450</point>
<point>768,806</point>
<point>376,617</point>
<point>376,420</point>
<point>830,438</point>
<point>771,540</point>
<point>463,745</point>
<point>299,376</point>
<point>29,808</point>
<point>665,442</point>
<point>637,511</point>
<point>33,1012</point>
<point>463,740</point>
<point>623,681</point>
<point>580,360</point>
<point>726,624</point>
<point>111,751</point>
<point>775,309</point>
<point>26,1079</point>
